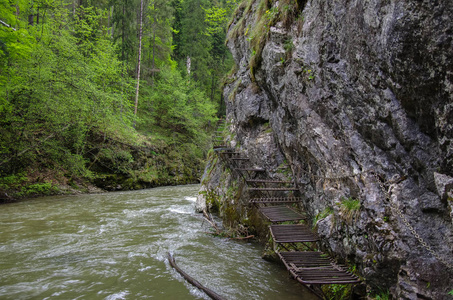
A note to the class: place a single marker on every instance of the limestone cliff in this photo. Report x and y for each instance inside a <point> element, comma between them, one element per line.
<point>357,97</point>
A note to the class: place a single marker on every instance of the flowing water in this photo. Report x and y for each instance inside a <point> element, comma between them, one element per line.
<point>114,245</point>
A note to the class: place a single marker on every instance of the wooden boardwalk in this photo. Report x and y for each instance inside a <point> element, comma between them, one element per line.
<point>311,268</point>
<point>279,213</point>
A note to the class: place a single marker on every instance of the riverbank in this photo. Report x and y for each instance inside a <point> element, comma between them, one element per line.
<point>107,164</point>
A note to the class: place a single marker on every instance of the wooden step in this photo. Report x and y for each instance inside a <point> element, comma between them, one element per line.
<point>251,169</point>
<point>226,149</point>
<point>313,267</point>
<point>280,214</point>
<point>305,259</point>
<point>276,200</point>
<point>273,189</point>
<point>292,234</point>
<point>267,181</point>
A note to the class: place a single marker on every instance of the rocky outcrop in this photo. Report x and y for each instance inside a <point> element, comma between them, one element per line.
<point>357,97</point>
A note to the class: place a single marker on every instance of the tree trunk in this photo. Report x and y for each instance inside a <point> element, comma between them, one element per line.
<point>123,35</point>
<point>108,24</point>
<point>154,51</point>
<point>139,58</point>
<point>213,82</point>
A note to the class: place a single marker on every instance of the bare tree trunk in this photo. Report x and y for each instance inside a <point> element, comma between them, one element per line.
<point>139,57</point>
<point>154,51</point>
<point>212,88</point>
<point>124,33</point>
<point>108,24</point>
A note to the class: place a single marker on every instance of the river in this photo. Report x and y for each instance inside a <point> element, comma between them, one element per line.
<point>113,246</point>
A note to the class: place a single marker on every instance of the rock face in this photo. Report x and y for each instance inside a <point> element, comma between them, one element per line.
<point>357,97</point>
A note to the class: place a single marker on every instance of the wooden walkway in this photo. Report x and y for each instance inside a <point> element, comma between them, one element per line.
<point>270,196</point>
<point>277,214</point>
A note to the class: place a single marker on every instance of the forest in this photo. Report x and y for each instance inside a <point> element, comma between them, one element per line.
<point>119,93</point>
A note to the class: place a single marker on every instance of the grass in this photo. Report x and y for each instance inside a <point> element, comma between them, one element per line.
<point>349,208</point>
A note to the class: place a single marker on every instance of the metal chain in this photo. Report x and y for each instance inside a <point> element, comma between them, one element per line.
<point>411,229</point>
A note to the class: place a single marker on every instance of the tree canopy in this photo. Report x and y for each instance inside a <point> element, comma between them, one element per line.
<point>68,71</point>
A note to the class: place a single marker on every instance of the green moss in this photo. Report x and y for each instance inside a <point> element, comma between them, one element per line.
<point>212,201</point>
<point>235,90</point>
<point>326,212</point>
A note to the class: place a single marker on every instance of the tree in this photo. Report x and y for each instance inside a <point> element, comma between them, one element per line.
<point>124,20</point>
<point>160,20</point>
<point>139,58</point>
<point>194,43</point>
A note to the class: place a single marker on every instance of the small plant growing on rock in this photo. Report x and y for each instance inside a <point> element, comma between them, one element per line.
<point>383,295</point>
<point>349,208</point>
<point>288,45</point>
<point>326,212</point>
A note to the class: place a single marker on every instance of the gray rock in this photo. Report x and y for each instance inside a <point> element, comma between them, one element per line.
<point>365,90</point>
<point>444,185</point>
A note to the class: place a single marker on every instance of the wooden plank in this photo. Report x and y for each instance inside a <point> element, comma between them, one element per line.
<point>280,214</point>
<point>251,169</point>
<point>276,200</point>
<point>292,234</point>
<point>313,267</point>
<point>273,189</point>
<point>224,148</point>
<point>231,153</point>
<point>267,181</point>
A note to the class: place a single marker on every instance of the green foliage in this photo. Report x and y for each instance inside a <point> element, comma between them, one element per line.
<point>67,85</point>
<point>450,293</point>
<point>349,208</point>
<point>288,45</point>
<point>38,189</point>
<point>350,204</point>
<point>326,212</point>
<point>337,291</point>
<point>383,295</point>
<point>177,108</point>
<point>12,181</point>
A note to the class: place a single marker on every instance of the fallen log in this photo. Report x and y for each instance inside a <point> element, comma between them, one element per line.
<point>210,220</point>
<point>192,281</point>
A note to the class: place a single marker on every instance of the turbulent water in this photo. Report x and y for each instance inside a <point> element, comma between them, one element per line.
<point>114,245</point>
